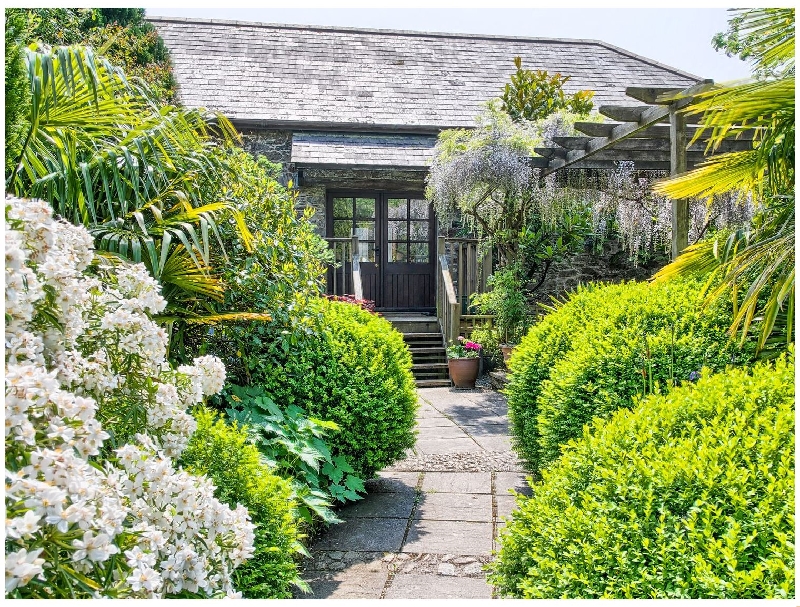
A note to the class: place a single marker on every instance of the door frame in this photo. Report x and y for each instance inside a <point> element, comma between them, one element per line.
<point>381,233</point>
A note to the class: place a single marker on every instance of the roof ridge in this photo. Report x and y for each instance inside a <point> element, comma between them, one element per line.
<point>366,30</point>
<point>421,34</point>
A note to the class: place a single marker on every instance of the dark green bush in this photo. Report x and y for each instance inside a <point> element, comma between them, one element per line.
<point>689,495</point>
<point>221,452</point>
<point>605,345</point>
<point>353,369</point>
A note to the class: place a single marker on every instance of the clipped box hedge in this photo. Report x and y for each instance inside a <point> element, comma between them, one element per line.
<point>603,346</point>
<point>689,495</point>
<point>355,370</point>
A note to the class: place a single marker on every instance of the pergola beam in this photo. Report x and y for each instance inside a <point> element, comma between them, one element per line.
<point>657,131</point>
<point>650,94</point>
<point>622,113</point>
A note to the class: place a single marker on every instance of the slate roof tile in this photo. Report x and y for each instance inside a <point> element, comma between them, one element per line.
<point>289,74</point>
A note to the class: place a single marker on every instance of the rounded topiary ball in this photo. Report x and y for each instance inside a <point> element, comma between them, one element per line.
<point>354,370</point>
<point>688,495</point>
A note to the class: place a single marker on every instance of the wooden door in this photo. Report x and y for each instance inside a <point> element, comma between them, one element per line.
<point>407,247</point>
<point>396,235</point>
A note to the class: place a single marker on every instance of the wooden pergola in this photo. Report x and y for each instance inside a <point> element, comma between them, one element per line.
<point>652,134</point>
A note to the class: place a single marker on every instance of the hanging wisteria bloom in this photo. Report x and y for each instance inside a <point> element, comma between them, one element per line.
<point>84,361</point>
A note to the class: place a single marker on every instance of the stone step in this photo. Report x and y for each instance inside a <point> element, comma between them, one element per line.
<point>426,350</point>
<point>433,383</point>
<point>428,366</point>
<point>418,336</point>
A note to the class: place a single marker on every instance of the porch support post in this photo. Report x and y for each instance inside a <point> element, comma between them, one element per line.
<point>677,161</point>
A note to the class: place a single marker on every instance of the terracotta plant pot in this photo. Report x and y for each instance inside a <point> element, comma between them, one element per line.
<point>507,350</point>
<point>463,371</point>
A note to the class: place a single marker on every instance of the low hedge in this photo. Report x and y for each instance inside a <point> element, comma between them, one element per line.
<point>605,345</point>
<point>689,495</point>
<point>221,452</point>
<point>353,369</point>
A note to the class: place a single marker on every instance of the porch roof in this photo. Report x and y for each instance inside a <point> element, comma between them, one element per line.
<point>319,149</point>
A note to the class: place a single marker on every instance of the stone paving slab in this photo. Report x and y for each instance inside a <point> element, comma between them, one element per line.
<point>493,443</point>
<point>477,416</point>
<point>448,537</point>
<point>380,505</point>
<point>454,507</point>
<point>346,585</point>
<point>447,445</point>
<point>364,535</point>
<point>491,423</point>
<point>393,482</point>
<point>425,411</point>
<point>441,432</point>
<point>434,422</point>
<point>503,481</point>
<point>505,505</point>
<point>409,586</point>
<point>457,482</point>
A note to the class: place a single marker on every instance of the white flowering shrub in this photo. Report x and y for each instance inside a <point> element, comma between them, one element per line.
<point>94,415</point>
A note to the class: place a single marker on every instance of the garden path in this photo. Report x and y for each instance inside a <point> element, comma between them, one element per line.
<point>430,522</point>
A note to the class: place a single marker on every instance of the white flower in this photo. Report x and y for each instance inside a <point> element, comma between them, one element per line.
<point>23,526</point>
<point>96,548</point>
<point>144,579</point>
<point>21,567</point>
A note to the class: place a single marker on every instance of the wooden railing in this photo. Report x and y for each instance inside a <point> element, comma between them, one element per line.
<point>455,284</point>
<point>448,310</point>
<point>471,271</point>
<point>347,249</point>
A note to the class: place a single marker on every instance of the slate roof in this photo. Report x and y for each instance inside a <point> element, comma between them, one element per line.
<point>363,151</point>
<point>315,77</point>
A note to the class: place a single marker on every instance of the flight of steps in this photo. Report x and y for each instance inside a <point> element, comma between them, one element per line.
<point>424,338</point>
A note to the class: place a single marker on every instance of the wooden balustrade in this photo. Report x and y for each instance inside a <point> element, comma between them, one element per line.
<point>340,280</point>
<point>453,290</point>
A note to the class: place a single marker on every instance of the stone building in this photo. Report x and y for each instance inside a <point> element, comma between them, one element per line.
<point>353,114</point>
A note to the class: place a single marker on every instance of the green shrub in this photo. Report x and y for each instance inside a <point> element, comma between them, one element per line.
<point>352,368</point>
<point>221,452</point>
<point>689,495</point>
<point>605,345</point>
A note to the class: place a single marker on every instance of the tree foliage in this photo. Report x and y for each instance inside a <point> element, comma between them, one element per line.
<point>120,34</point>
<point>141,177</point>
<point>758,260</point>
<point>533,95</point>
<point>765,38</point>
<point>17,99</point>
<point>483,176</point>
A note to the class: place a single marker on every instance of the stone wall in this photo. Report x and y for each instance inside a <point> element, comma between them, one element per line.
<point>610,265</point>
<point>275,145</point>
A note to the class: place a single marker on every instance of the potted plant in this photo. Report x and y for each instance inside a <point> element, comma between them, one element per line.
<point>463,360</point>
<point>506,301</point>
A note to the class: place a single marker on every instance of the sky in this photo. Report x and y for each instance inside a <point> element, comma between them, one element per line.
<point>679,37</point>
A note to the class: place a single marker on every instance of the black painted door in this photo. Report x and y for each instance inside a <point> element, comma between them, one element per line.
<point>396,235</point>
<point>408,268</point>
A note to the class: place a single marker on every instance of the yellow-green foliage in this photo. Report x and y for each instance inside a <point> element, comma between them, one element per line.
<point>355,371</point>
<point>689,495</point>
<point>602,347</point>
<point>221,452</point>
